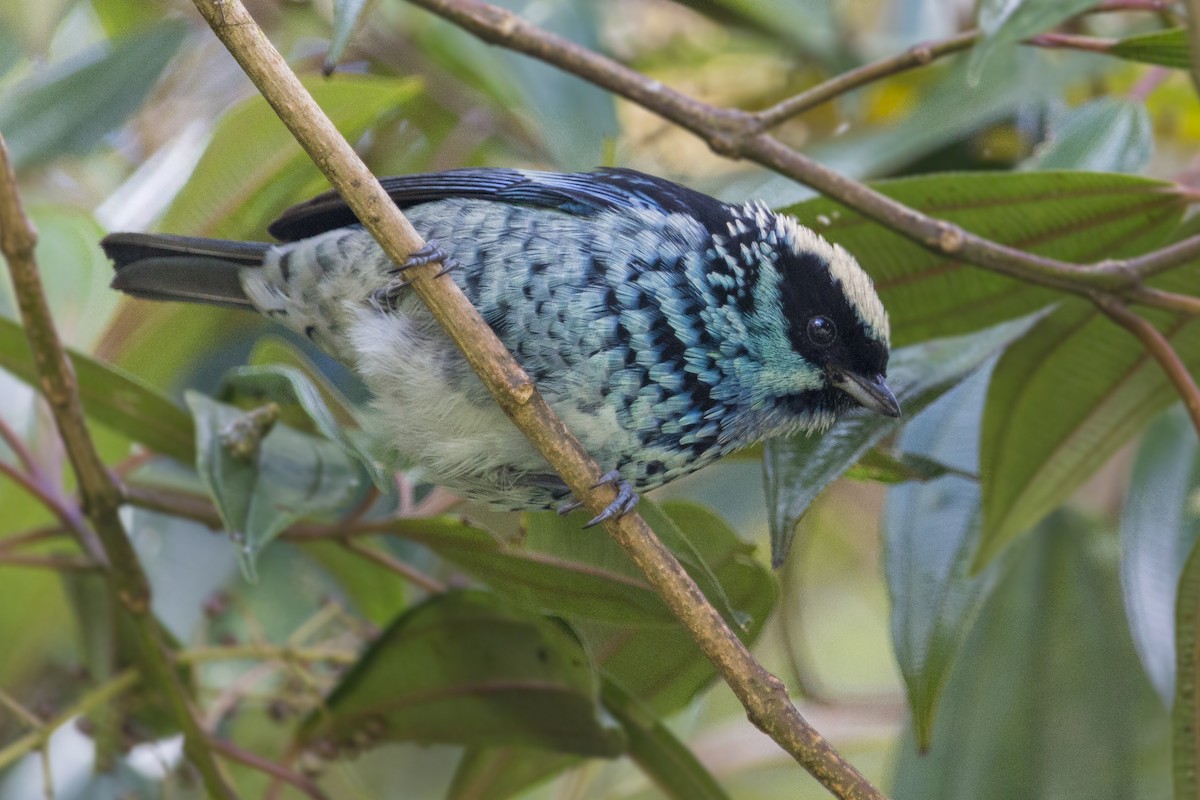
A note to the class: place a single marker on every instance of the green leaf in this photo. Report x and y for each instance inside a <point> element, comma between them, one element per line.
<point>271,349</point>
<point>1167,48</point>
<point>662,666</point>
<point>935,598</point>
<point>560,568</point>
<point>1110,134</point>
<point>346,14</point>
<point>374,592</point>
<point>1007,22</point>
<point>883,467</point>
<point>470,668</point>
<point>69,109</point>
<point>288,385</point>
<point>657,664</point>
<point>253,168</point>
<point>1074,216</point>
<point>1066,397</point>
<point>1160,525</point>
<point>497,773</point>
<point>798,469</point>
<point>550,533</point>
<point>1047,699</point>
<point>261,481</point>
<point>666,761</point>
<point>111,397</point>
<point>576,585</point>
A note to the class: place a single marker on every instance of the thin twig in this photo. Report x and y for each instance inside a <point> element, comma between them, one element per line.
<point>737,134</point>
<point>265,652</point>
<point>406,571</point>
<point>268,767</point>
<point>1071,41</point>
<point>66,514</point>
<point>763,695</point>
<point>28,717</point>
<point>91,700</point>
<point>35,536</point>
<point>17,445</point>
<point>56,563</point>
<point>110,545</point>
<point>916,56</point>
<point>1160,348</point>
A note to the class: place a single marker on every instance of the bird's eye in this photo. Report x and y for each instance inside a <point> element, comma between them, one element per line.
<point>821,331</point>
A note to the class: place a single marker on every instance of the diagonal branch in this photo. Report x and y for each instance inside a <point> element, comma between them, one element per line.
<point>763,695</point>
<point>101,496</point>
<point>739,134</point>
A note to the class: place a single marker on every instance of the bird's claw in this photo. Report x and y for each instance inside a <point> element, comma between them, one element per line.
<point>626,498</point>
<point>385,298</point>
<point>430,252</point>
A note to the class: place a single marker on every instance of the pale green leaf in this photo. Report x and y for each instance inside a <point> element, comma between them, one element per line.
<point>1004,23</point>
<point>1047,699</point>
<point>1065,398</point>
<point>346,14</point>
<point>260,489</point>
<point>70,108</point>
<point>1160,524</point>
<point>285,384</point>
<point>1110,134</point>
<point>930,534</point>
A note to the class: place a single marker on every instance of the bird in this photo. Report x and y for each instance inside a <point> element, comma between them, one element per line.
<point>666,328</point>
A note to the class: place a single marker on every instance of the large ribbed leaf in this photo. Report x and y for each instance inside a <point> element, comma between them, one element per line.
<point>1074,216</point>
<point>1063,399</point>
<point>470,668</point>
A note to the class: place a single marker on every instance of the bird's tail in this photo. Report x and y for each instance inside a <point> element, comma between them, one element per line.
<point>182,268</point>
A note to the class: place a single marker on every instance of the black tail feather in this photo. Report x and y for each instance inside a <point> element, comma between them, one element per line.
<point>182,268</point>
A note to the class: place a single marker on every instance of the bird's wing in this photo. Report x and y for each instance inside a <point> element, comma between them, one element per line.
<point>573,193</point>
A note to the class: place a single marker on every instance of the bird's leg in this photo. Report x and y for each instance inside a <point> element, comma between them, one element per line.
<point>385,298</point>
<point>626,499</point>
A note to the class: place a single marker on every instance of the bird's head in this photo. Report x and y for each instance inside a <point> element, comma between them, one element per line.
<point>819,327</point>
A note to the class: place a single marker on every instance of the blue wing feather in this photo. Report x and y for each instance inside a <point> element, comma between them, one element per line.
<point>581,193</point>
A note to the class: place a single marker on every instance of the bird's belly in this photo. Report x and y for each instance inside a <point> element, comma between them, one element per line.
<point>436,410</point>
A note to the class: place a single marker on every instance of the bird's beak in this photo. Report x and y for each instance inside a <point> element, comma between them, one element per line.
<point>869,392</point>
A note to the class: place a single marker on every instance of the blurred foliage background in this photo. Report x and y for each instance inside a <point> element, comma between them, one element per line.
<point>1028,655</point>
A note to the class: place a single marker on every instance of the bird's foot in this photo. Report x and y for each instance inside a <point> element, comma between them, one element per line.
<point>385,298</point>
<point>626,499</point>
